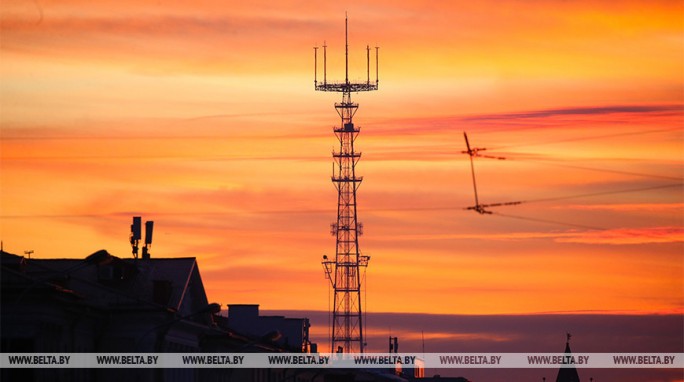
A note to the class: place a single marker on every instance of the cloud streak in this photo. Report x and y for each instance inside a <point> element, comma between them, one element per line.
<point>627,236</point>
<point>584,111</point>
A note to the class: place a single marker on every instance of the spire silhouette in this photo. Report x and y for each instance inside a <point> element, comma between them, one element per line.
<point>567,372</point>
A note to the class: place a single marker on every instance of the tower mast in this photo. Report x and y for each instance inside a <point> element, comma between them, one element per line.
<point>343,271</point>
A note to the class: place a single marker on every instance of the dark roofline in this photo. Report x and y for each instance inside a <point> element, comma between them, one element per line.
<point>187,283</point>
<point>243,304</point>
<point>161,258</point>
<point>40,263</point>
<point>127,259</point>
<point>45,283</point>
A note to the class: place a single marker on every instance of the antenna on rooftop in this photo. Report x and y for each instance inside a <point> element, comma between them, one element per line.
<point>149,227</point>
<point>136,234</point>
<point>344,270</point>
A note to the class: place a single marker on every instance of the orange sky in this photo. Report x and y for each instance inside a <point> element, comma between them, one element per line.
<point>203,118</point>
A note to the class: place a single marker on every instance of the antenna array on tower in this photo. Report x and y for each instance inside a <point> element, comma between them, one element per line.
<point>344,271</point>
<point>345,86</point>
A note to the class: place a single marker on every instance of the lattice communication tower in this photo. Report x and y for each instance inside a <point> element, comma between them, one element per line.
<point>344,270</point>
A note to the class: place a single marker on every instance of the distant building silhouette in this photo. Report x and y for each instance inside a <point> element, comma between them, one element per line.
<point>106,304</point>
<point>293,333</point>
<point>567,373</point>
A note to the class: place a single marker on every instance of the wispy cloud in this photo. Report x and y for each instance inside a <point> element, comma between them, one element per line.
<point>627,236</point>
<point>628,207</point>
<point>583,111</point>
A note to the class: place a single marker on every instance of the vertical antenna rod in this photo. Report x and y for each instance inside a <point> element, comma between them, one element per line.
<point>368,64</point>
<point>344,270</point>
<point>346,51</point>
<point>376,66</point>
<point>315,65</point>
<point>325,63</point>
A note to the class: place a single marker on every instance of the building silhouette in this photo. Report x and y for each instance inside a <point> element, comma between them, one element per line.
<point>293,333</point>
<point>106,304</point>
<point>567,372</point>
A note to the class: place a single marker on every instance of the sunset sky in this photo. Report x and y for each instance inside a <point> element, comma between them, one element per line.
<point>202,116</point>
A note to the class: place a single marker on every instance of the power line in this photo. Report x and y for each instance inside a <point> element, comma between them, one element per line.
<point>588,138</point>
<point>555,163</point>
<point>573,225</point>
<point>577,196</point>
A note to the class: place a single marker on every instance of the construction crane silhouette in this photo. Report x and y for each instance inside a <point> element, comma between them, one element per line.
<point>475,152</point>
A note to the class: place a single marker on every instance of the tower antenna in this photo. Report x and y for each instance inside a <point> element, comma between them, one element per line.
<point>367,64</point>
<point>315,65</point>
<point>346,50</point>
<point>376,66</point>
<point>343,271</point>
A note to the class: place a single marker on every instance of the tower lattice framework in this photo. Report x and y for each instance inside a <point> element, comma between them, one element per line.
<point>344,271</point>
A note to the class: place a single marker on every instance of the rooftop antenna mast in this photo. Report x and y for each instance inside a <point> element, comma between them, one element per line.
<point>343,271</point>
<point>136,236</point>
